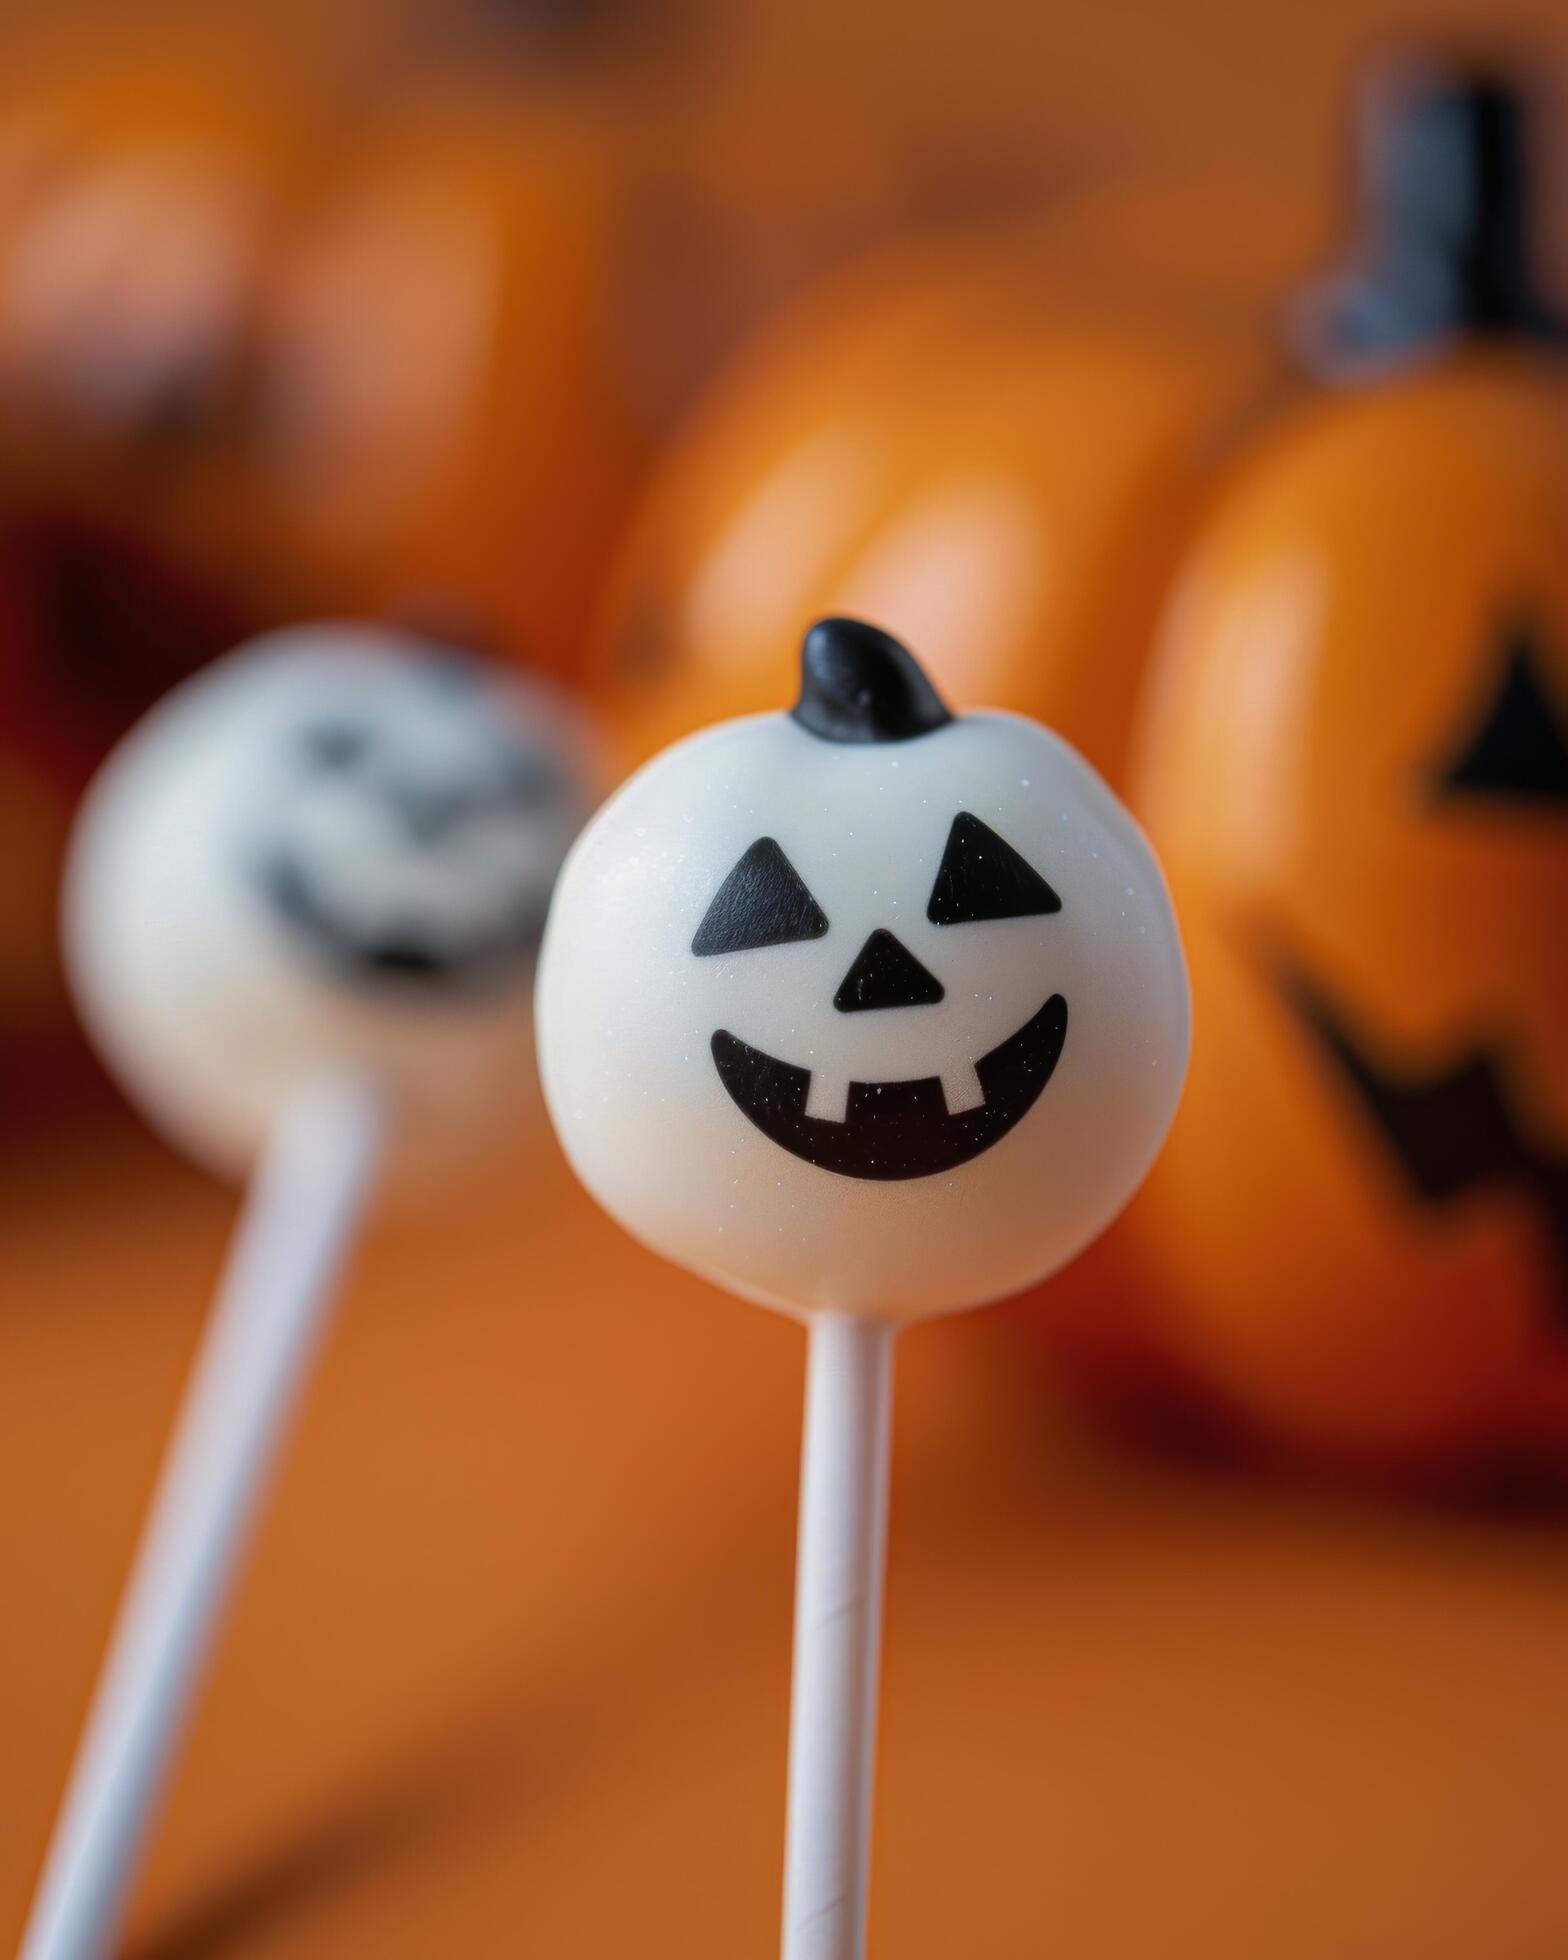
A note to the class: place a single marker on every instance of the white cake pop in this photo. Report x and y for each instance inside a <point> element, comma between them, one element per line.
<point>331,850</point>
<point>301,917</point>
<point>867,1012</point>
<point>865,1006</point>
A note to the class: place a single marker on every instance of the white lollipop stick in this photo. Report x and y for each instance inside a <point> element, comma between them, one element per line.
<point>304,890</point>
<point>298,1223</point>
<point>838,1634</point>
<point>868,1011</point>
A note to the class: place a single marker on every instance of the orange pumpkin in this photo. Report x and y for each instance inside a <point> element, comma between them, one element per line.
<point>363,363</point>
<point>1357,775</point>
<point>137,205</point>
<point>997,441</point>
<point>944,441</point>
<point>136,208</point>
<point>436,424</point>
<point>993,438</point>
<point>408,360</point>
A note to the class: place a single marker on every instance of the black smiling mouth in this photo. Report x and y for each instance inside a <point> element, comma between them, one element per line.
<point>400,953</point>
<point>895,1129</point>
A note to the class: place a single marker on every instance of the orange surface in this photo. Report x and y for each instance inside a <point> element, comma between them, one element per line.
<point>507,1673</point>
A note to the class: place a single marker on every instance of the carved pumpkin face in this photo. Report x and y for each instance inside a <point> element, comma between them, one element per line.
<point>1359,777</point>
<point>863,1006</point>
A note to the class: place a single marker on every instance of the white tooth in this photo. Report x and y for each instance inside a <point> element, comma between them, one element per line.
<point>828,1096</point>
<point>961,1088</point>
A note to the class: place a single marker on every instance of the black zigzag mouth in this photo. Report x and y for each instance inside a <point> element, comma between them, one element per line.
<point>1450,1130</point>
<point>401,953</point>
<point>894,1130</point>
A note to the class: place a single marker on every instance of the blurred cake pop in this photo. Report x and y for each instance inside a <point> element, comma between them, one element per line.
<point>333,850</point>
<point>301,914</point>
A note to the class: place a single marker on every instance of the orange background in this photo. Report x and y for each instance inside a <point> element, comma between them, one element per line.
<point>507,1672</point>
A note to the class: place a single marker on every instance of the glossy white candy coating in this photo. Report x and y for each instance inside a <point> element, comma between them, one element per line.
<point>331,850</point>
<point>627,1011</point>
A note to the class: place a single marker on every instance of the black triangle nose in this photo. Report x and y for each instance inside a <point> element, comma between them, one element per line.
<point>427,814</point>
<point>1520,751</point>
<point>886,974</point>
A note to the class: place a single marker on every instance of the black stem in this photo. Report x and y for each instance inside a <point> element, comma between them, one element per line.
<point>1448,222</point>
<point>859,684</point>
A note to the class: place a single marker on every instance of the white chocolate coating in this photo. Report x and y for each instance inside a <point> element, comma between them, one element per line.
<point>332,850</point>
<point>873,1216</point>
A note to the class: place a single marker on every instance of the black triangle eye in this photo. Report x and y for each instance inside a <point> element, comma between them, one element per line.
<point>1519,753</point>
<point>763,902</point>
<point>981,876</point>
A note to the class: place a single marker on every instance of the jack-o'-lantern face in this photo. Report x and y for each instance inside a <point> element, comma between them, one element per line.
<point>403,832</point>
<point>333,849</point>
<point>1359,774</point>
<point>863,1005</point>
<point>1457,1127</point>
<point>898,1128</point>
